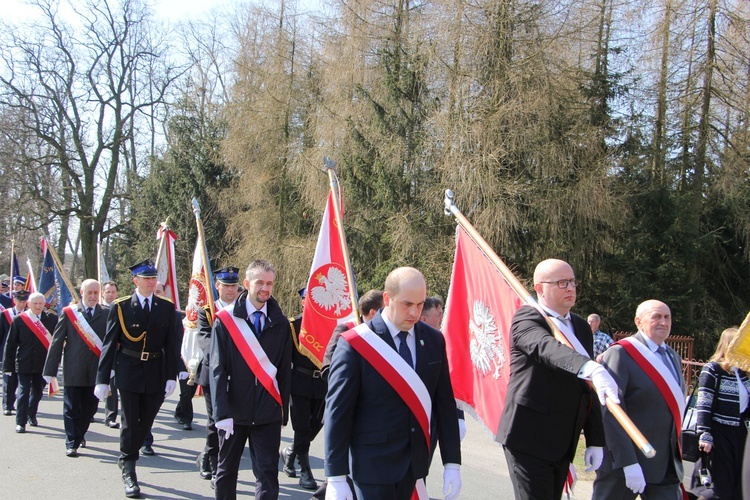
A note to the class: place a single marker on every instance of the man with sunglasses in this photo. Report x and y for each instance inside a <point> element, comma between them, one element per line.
<point>549,401</point>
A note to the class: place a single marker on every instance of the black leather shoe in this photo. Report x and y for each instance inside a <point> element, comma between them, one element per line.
<point>7,412</point>
<point>111,424</point>
<point>306,479</point>
<point>204,465</point>
<point>287,458</point>
<point>83,443</point>
<point>33,421</point>
<point>20,429</point>
<point>187,426</point>
<point>71,452</point>
<point>132,490</point>
<point>148,451</point>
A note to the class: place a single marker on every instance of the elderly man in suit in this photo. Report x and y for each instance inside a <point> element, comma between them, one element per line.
<point>78,339</point>
<point>648,374</point>
<point>388,389</point>
<point>548,401</point>
<point>141,346</point>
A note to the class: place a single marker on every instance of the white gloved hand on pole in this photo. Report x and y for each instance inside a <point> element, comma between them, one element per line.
<point>605,385</point>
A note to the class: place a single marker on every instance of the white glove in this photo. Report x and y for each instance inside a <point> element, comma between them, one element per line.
<point>183,375</point>
<point>226,425</point>
<point>461,429</point>
<point>593,457</point>
<point>169,388</point>
<point>101,391</point>
<point>338,489</point>
<point>634,478</point>
<point>47,379</point>
<point>605,385</point>
<point>451,481</point>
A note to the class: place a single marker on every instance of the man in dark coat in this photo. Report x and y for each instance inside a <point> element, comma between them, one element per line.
<point>250,382</point>
<point>141,346</point>
<point>25,352</point>
<point>10,378</point>
<point>78,340</point>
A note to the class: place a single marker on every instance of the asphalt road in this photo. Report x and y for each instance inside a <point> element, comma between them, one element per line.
<point>34,464</point>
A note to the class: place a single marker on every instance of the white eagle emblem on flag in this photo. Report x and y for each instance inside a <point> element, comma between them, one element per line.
<point>332,291</point>
<point>486,346</point>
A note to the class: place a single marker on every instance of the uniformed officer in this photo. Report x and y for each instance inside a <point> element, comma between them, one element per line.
<point>10,377</point>
<point>227,284</point>
<point>141,346</point>
<point>306,409</point>
<point>6,301</point>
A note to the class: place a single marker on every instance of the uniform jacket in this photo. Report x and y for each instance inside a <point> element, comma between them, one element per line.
<point>4,330</point>
<point>307,379</point>
<point>79,362</point>
<point>547,405</point>
<point>646,407</point>
<point>132,374</point>
<point>235,390</point>
<point>24,353</point>
<point>366,415</point>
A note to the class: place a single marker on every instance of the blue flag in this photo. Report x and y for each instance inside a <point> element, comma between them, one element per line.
<point>51,284</point>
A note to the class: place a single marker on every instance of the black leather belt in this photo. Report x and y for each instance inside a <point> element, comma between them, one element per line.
<point>308,372</point>
<point>142,355</point>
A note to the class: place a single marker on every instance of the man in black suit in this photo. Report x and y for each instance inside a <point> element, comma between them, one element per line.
<point>78,339</point>
<point>25,352</point>
<point>141,346</point>
<point>548,401</point>
<point>10,377</point>
<point>386,436</point>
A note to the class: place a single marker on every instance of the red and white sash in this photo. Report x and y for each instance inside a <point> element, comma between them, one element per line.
<point>43,335</point>
<point>251,351</point>
<point>81,325</point>
<point>399,375</point>
<point>8,316</point>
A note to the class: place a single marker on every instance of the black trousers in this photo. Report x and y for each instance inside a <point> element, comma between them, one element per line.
<point>10,386</point>
<point>30,391</point>
<point>184,410</point>
<point>263,441</point>
<point>79,405</point>
<point>138,413</point>
<point>307,420</point>
<point>402,490</point>
<point>111,405</point>
<point>212,436</point>
<point>726,459</point>
<point>534,478</point>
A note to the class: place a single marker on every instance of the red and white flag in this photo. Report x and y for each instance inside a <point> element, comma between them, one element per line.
<point>479,311</point>
<point>329,297</point>
<point>165,264</point>
<point>197,290</point>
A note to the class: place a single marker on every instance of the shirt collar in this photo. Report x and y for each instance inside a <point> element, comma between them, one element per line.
<point>392,329</point>
<point>251,308</point>
<point>142,297</point>
<point>554,314</point>
<point>652,346</point>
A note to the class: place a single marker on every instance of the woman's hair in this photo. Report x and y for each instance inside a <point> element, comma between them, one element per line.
<point>723,346</point>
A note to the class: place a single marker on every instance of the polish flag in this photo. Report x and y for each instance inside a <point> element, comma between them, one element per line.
<point>329,297</point>
<point>165,265</point>
<point>479,310</point>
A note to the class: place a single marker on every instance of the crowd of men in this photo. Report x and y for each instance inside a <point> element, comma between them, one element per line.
<point>383,397</point>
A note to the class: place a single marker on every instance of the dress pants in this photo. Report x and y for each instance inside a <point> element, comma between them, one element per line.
<point>10,385</point>
<point>184,410</point>
<point>212,436</point>
<point>726,459</point>
<point>138,413</point>
<point>307,420</point>
<point>79,405</point>
<point>402,490</point>
<point>111,405</point>
<point>264,442</point>
<point>30,391</point>
<point>534,478</point>
<point>611,486</point>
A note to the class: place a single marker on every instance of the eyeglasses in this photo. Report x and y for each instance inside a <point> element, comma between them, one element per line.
<point>562,283</point>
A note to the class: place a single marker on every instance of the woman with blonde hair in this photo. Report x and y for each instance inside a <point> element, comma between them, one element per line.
<point>723,418</point>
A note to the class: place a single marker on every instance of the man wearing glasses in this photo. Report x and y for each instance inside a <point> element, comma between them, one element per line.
<point>548,400</point>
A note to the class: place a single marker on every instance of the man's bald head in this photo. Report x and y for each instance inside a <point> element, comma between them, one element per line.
<point>401,276</point>
<point>654,319</point>
<point>547,270</point>
<point>404,296</point>
<point>548,276</point>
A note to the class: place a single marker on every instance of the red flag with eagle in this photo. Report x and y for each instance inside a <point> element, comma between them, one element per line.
<point>328,301</point>
<point>479,310</point>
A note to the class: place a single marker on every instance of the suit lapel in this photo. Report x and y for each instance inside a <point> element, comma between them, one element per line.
<point>419,343</point>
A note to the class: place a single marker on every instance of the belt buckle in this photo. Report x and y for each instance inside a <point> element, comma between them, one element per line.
<point>316,374</point>
<point>145,355</point>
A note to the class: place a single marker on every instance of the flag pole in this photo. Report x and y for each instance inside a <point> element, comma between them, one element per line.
<point>204,258</point>
<point>12,258</point>
<point>334,182</point>
<point>450,209</point>
<point>164,227</point>
<point>32,278</point>
<point>61,270</point>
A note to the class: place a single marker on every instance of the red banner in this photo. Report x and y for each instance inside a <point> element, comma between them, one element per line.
<point>479,310</point>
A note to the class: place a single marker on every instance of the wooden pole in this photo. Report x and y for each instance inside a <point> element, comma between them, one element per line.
<point>204,258</point>
<point>450,209</point>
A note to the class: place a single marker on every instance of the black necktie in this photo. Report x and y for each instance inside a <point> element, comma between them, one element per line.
<point>256,322</point>
<point>665,358</point>
<point>89,312</point>
<point>403,348</point>
<point>146,309</point>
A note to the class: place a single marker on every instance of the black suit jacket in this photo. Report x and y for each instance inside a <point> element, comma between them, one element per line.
<point>132,374</point>
<point>303,383</point>
<point>366,415</point>
<point>24,352</point>
<point>4,330</point>
<point>80,363</point>
<point>547,405</point>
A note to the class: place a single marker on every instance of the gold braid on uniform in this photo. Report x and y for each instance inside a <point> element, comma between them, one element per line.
<point>294,332</point>
<point>122,325</point>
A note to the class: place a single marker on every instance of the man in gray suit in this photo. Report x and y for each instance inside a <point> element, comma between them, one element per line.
<point>78,337</point>
<point>638,364</point>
